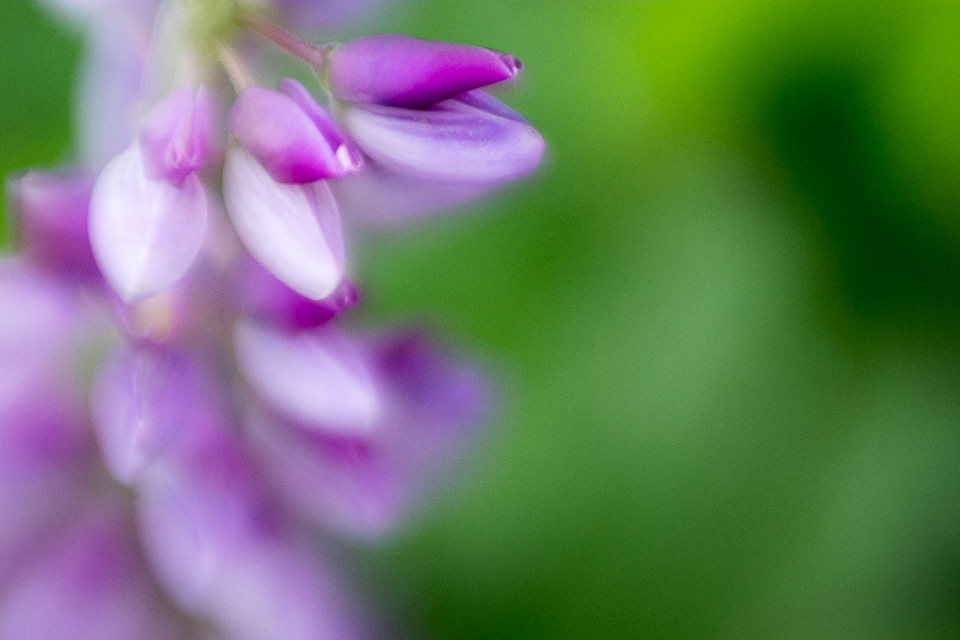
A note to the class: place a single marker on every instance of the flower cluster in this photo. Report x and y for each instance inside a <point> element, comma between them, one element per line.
<point>183,417</point>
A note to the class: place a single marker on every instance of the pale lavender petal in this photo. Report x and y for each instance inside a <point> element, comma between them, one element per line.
<point>401,71</point>
<point>141,400</point>
<point>51,209</point>
<point>145,233</point>
<point>362,484</point>
<point>269,300</point>
<point>377,197</point>
<point>292,230</point>
<point>342,482</point>
<point>90,584</point>
<point>316,377</point>
<point>175,135</point>
<point>221,551</point>
<point>472,139</point>
<point>283,137</point>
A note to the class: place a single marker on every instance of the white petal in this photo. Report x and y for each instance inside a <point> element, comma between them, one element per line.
<point>145,233</point>
<point>314,377</point>
<point>292,230</point>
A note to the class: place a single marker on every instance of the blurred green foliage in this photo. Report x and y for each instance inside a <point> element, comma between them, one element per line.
<point>723,320</point>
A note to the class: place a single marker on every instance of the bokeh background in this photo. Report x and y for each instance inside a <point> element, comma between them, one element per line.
<point>724,321</point>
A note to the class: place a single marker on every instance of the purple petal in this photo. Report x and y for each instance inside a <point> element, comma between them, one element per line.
<point>350,159</point>
<point>273,302</point>
<point>316,377</point>
<point>174,136</point>
<point>145,233</point>
<point>221,551</point>
<point>292,230</point>
<point>472,139</point>
<point>52,212</point>
<point>88,585</point>
<point>284,138</point>
<point>362,484</point>
<point>401,71</point>
<point>141,401</point>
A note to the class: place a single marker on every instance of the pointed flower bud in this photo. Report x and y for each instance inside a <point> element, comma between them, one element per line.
<point>470,139</point>
<point>145,233</point>
<point>294,139</point>
<point>175,135</point>
<point>401,71</point>
<point>293,230</point>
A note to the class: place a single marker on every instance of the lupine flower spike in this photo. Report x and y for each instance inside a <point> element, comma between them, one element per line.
<point>184,410</point>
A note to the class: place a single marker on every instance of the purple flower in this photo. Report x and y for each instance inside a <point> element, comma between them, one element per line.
<point>182,415</point>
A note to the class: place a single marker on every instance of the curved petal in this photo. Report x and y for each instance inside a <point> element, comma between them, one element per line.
<point>314,377</point>
<point>282,137</point>
<point>145,233</point>
<point>141,400</point>
<point>401,71</point>
<point>174,136</point>
<point>472,139</point>
<point>292,230</point>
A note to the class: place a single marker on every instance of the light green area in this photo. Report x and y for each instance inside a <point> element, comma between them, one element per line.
<point>723,320</point>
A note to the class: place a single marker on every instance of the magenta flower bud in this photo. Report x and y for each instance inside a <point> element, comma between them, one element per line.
<point>315,377</point>
<point>290,135</point>
<point>52,211</point>
<point>401,71</point>
<point>141,400</point>
<point>274,303</point>
<point>470,139</point>
<point>175,135</point>
<point>145,233</point>
<point>291,229</point>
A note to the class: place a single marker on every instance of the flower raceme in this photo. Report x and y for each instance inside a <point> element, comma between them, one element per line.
<point>183,409</point>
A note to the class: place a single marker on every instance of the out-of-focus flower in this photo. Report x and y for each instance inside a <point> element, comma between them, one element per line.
<point>181,413</point>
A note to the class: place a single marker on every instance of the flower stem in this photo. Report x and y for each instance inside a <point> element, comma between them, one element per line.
<point>313,55</point>
<point>237,73</point>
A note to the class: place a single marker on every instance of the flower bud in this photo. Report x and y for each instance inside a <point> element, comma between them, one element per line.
<point>290,135</point>
<point>175,135</point>
<point>401,71</point>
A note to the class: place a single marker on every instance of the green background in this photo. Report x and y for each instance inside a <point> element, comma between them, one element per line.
<point>722,319</point>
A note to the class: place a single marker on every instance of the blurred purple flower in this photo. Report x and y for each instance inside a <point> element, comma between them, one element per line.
<point>181,413</point>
